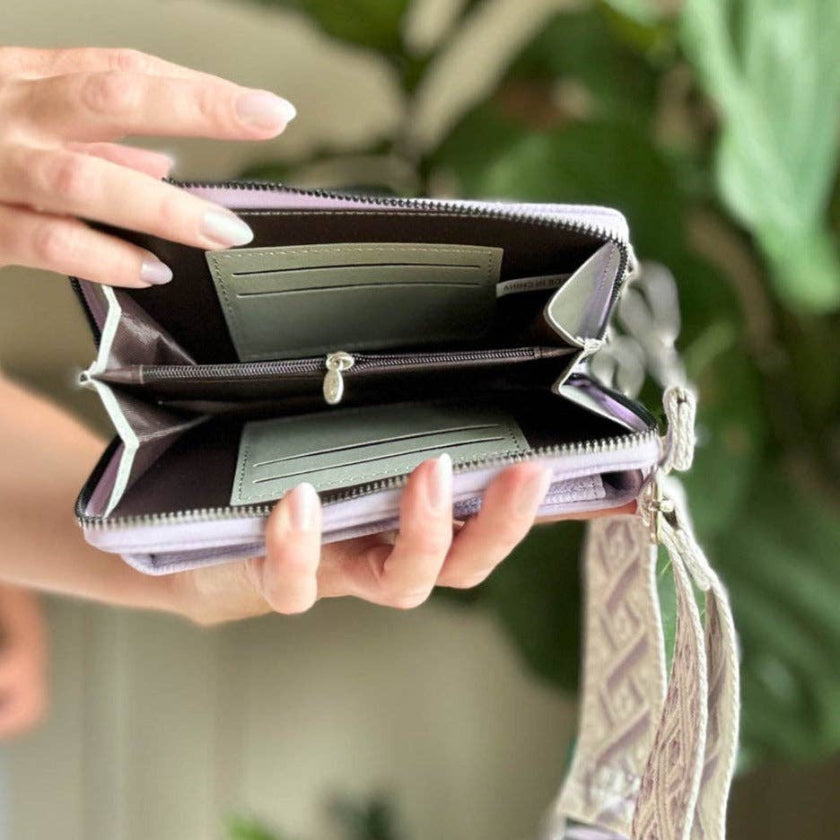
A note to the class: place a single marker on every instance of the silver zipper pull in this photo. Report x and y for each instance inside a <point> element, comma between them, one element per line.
<point>334,381</point>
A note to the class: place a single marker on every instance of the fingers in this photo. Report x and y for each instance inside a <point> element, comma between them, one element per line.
<point>39,63</point>
<point>110,106</point>
<point>293,545</point>
<point>507,514</point>
<point>409,573</point>
<point>156,164</point>
<point>68,246</point>
<point>69,183</point>
<point>401,575</point>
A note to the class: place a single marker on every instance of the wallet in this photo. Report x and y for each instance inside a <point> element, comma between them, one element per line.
<point>352,339</point>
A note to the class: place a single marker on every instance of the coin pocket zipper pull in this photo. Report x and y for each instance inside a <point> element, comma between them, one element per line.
<point>336,364</point>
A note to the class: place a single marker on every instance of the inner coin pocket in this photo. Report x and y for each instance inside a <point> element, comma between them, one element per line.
<point>311,299</point>
<point>348,447</point>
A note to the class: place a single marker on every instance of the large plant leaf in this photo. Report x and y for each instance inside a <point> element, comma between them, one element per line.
<point>779,558</point>
<point>584,48</point>
<point>771,67</point>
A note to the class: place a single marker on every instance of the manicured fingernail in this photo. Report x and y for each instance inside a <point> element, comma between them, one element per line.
<point>262,109</point>
<point>225,228</point>
<point>440,483</point>
<point>303,504</point>
<point>155,272</point>
<point>532,492</point>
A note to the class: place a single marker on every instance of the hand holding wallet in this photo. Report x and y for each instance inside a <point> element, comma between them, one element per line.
<point>351,340</point>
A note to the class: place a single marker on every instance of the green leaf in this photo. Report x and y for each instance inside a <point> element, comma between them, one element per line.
<point>373,819</point>
<point>598,163</point>
<point>242,828</point>
<point>732,436</point>
<point>779,559</point>
<point>771,67</point>
<point>582,47</point>
<point>369,23</point>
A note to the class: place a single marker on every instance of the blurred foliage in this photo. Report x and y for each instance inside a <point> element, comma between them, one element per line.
<point>772,69</point>
<point>370,819</point>
<point>715,128</point>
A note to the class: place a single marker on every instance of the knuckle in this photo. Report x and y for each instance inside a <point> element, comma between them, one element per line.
<point>54,242</point>
<point>69,176</point>
<point>109,92</point>
<point>208,104</point>
<point>127,60</point>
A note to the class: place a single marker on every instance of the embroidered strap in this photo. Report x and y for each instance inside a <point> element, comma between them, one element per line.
<point>652,764</point>
<point>623,678</point>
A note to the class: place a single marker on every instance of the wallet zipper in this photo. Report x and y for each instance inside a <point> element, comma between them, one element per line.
<point>337,363</point>
<point>604,446</point>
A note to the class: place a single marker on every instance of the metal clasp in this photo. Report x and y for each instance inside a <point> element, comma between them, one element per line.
<point>657,505</point>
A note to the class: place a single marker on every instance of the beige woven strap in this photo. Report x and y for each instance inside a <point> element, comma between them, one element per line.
<point>623,676</point>
<point>652,764</point>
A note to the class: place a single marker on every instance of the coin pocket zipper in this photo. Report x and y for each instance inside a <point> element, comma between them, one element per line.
<point>334,368</point>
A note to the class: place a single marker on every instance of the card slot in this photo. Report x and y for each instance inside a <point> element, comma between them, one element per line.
<point>394,439</point>
<point>339,266</point>
<point>287,301</point>
<point>402,453</point>
<point>349,445</point>
<point>353,286</point>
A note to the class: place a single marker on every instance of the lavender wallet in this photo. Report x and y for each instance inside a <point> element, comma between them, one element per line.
<point>352,339</point>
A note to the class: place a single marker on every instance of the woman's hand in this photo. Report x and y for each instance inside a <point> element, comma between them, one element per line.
<point>400,571</point>
<point>61,112</point>
<point>47,455</point>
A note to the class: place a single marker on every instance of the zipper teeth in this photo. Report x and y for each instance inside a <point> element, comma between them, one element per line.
<point>466,209</point>
<point>596,447</point>
<point>362,360</point>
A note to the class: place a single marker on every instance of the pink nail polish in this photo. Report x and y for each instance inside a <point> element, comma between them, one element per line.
<point>440,483</point>
<point>303,504</point>
<point>264,110</point>
<point>155,272</point>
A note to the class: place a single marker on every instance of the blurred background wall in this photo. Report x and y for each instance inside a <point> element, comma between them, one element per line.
<point>158,730</point>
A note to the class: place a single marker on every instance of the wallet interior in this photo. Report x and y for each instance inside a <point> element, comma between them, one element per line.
<point>463,330</point>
